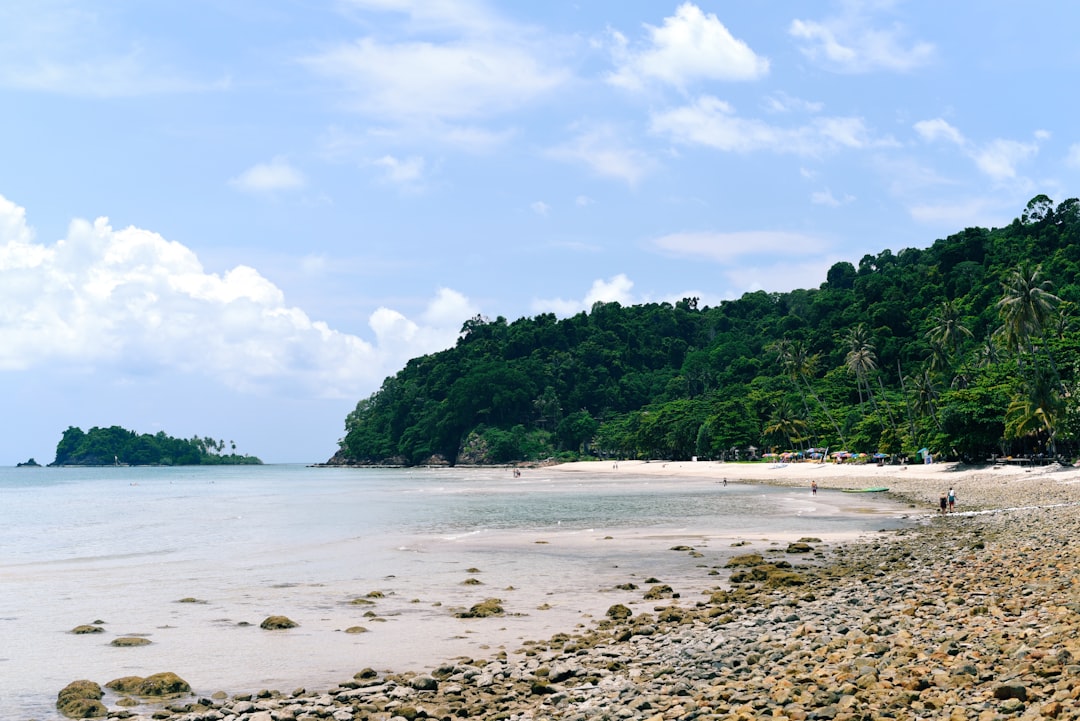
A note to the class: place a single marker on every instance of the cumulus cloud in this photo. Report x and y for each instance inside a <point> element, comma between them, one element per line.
<point>540,208</point>
<point>278,174</point>
<point>851,43</point>
<point>691,45</point>
<point>130,302</point>
<point>714,123</point>
<point>616,289</point>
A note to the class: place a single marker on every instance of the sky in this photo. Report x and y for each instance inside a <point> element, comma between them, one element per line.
<point>235,219</point>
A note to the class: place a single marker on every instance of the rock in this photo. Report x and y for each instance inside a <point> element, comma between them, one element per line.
<point>130,641</point>
<point>1011,690</point>
<point>489,607</point>
<point>659,591</point>
<point>81,699</point>
<point>424,683</point>
<point>274,623</point>
<point>159,684</point>
<point>619,612</point>
<point>356,629</point>
<point>87,628</point>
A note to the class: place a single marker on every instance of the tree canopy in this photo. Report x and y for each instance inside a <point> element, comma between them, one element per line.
<point>117,446</point>
<point>967,348</point>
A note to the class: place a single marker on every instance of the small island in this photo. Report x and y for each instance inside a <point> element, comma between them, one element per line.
<point>28,464</point>
<point>116,446</point>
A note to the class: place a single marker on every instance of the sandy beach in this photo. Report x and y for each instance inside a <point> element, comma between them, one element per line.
<point>972,615</point>
<point>978,488</point>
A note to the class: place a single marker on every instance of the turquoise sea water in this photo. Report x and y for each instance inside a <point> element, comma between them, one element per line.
<point>123,545</point>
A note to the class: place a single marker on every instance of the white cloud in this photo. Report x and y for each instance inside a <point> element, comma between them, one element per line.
<point>399,339</point>
<point>939,129</point>
<point>714,123</point>
<point>70,50</point>
<point>1072,159</point>
<point>602,150</point>
<point>465,16</point>
<point>851,44</point>
<point>442,81</point>
<point>408,172</point>
<point>998,158</point>
<point>729,247</point>
<point>583,201</point>
<point>540,208</point>
<point>278,174</point>
<point>781,102</point>
<point>826,197</point>
<point>130,302</point>
<point>975,212</point>
<point>691,45</point>
<point>616,289</point>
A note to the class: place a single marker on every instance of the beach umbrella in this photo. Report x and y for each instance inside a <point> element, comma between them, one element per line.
<point>881,455</point>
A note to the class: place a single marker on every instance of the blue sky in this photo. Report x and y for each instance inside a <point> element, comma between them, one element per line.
<point>235,219</point>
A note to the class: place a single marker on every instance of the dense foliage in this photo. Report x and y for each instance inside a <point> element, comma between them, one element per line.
<point>117,446</point>
<point>967,348</point>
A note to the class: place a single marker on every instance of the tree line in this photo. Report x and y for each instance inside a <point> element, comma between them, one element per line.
<point>119,446</point>
<point>967,348</point>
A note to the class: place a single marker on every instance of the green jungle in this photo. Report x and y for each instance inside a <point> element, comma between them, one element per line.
<point>966,350</point>
<point>118,446</point>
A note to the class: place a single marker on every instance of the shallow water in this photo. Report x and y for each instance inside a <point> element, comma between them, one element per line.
<point>124,545</point>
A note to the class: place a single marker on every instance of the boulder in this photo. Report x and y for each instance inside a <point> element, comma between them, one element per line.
<point>274,623</point>
<point>81,699</point>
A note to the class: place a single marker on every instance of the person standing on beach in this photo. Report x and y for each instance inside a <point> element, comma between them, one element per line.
<point>813,488</point>
<point>944,502</point>
<point>952,500</point>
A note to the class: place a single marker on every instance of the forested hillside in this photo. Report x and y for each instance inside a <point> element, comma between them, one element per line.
<point>967,348</point>
<point>116,445</point>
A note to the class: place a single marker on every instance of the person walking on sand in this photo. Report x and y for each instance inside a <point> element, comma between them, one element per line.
<point>813,488</point>
<point>952,501</point>
<point>944,502</point>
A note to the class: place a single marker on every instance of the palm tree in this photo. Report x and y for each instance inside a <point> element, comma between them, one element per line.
<point>860,359</point>
<point>786,422</point>
<point>801,365</point>
<point>1036,411</point>
<point>1026,308</point>
<point>926,395</point>
<point>946,335</point>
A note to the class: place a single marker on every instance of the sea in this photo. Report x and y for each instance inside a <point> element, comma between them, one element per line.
<point>193,559</point>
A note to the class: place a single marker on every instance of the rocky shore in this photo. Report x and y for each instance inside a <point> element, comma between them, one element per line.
<point>967,616</point>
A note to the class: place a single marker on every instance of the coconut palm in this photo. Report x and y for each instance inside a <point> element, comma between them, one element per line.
<point>860,360</point>
<point>1035,412</point>
<point>946,336</point>
<point>1026,308</point>
<point>786,422</point>
<point>801,365</point>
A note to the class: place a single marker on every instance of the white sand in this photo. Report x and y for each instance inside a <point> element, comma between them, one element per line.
<point>982,487</point>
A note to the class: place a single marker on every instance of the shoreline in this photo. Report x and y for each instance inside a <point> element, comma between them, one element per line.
<point>856,600</point>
